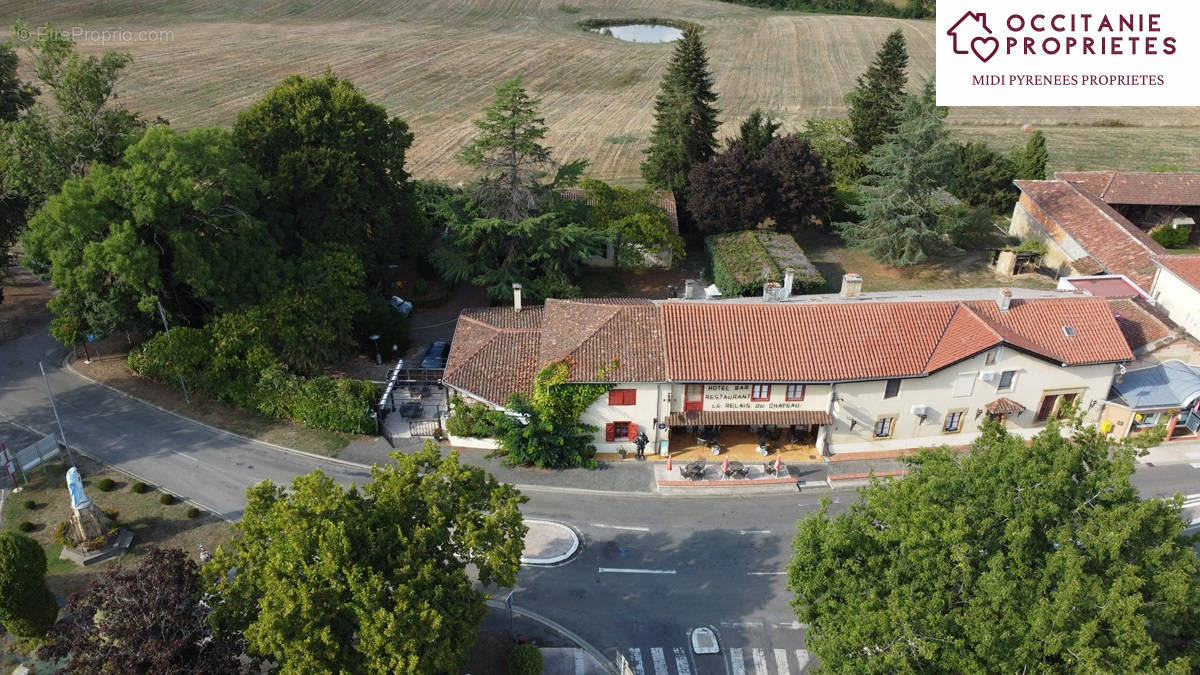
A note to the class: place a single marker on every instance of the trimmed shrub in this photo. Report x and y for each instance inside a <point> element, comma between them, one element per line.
<point>26,526</point>
<point>1172,236</point>
<point>140,487</point>
<point>739,259</point>
<point>29,504</point>
<point>27,607</point>
<point>166,499</point>
<point>193,512</point>
<point>473,420</point>
<point>525,659</point>
<point>105,485</point>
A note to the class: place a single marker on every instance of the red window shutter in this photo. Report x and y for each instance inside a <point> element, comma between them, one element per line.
<point>609,433</point>
<point>630,396</point>
<point>614,397</point>
<point>632,431</point>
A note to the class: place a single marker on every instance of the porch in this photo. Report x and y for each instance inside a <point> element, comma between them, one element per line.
<point>791,435</point>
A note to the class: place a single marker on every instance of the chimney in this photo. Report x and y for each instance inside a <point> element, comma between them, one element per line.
<point>771,291</point>
<point>516,297</point>
<point>689,289</point>
<point>851,285</point>
<point>789,279</point>
<point>1004,299</point>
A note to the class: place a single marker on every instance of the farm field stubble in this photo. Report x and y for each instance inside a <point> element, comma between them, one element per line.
<point>435,64</point>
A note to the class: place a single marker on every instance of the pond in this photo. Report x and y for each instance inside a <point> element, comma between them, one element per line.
<point>642,32</point>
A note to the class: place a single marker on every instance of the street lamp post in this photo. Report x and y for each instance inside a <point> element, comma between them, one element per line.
<point>378,356</point>
<point>57,420</point>
<point>183,385</point>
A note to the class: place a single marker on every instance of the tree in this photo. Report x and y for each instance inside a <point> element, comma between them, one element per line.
<point>899,209</point>
<point>15,97</point>
<point>804,191</point>
<point>1029,162</point>
<point>510,152</point>
<point>544,428</point>
<point>874,105</point>
<point>543,253</point>
<point>831,139</point>
<point>757,131</point>
<point>151,619</point>
<point>685,120</point>
<point>27,607</point>
<point>334,166</point>
<point>1019,557</point>
<point>633,220</point>
<point>983,177</point>
<point>321,578</point>
<point>730,191</point>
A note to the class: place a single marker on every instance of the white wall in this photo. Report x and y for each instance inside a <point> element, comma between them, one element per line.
<point>642,413</point>
<point>1181,301</point>
<point>863,402</point>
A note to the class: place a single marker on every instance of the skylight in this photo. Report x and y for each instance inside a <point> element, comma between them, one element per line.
<point>1068,331</point>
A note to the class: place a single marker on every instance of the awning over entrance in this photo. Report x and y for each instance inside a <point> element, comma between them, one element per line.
<point>1004,406</point>
<point>779,418</point>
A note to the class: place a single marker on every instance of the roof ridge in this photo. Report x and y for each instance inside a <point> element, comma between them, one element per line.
<point>1131,231</point>
<point>590,332</point>
<point>1112,175</point>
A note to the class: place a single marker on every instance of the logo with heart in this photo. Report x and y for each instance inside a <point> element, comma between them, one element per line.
<point>985,47</point>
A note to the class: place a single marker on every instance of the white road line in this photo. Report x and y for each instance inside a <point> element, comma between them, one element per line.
<point>580,667</point>
<point>736,666</point>
<point>742,624</point>
<point>635,660</point>
<point>781,662</point>
<point>627,570</point>
<point>1194,465</point>
<point>681,662</point>
<point>631,528</point>
<point>660,661</point>
<point>1190,497</point>
<point>754,532</point>
<point>795,625</point>
<point>802,658</point>
<point>765,574</point>
<point>760,662</point>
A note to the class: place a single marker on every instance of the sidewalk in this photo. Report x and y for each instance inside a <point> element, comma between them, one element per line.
<point>1173,452</point>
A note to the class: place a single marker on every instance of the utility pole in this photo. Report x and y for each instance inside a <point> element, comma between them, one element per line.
<point>57,420</point>
<point>163,313</point>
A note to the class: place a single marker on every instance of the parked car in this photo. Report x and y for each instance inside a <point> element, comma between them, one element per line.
<point>435,356</point>
<point>401,305</point>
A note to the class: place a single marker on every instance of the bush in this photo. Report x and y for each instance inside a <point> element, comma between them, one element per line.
<point>140,487</point>
<point>112,513</point>
<point>166,499</point>
<point>525,659</point>
<point>739,258</point>
<point>193,512</point>
<point>473,420</point>
<point>26,526</point>
<point>29,504</point>
<point>27,607</point>
<point>1172,236</point>
<point>62,535</point>
<point>105,485</point>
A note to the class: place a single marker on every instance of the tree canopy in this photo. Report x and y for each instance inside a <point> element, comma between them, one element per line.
<point>983,177</point>
<point>757,131</point>
<point>633,220</point>
<point>322,578</point>
<point>730,191</point>
<point>685,119</point>
<point>1018,557</point>
<point>1029,161</point>
<point>875,104</point>
<point>803,186</point>
<point>27,607</point>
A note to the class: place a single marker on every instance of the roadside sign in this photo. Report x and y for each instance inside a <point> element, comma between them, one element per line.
<point>91,337</point>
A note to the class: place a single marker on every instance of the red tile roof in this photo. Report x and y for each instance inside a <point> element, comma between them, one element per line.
<point>1186,267</point>
<point>595,331</point>
<point>1139,322</point>
<point>1106,235</point>
<point>1138,187</point>
<point>494,352</point>
<point>1004,406</point>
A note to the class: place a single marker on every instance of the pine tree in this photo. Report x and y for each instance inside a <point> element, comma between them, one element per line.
<point>898,213</point>
<point>685,120</point>
<point>1029,162</point>
<point>875,103</point>
<point>756,132</point>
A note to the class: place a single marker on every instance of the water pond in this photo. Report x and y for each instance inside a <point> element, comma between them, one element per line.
<point>642,32</point>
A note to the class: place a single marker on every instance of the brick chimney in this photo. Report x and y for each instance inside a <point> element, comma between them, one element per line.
<point>789,279</point>
<point>516,297</point>
<point>1003,299</point>
<point>851,285</point>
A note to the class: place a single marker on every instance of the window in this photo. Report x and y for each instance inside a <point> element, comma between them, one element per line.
<point>760,392</point>
<point>622,397</point>
<point>883,427</point>
<point>795,392</point>
<point>953,421</point>
<point>991,356</point>
<point>891,389</point>
<point>964,384</point>
<point>620,431</point>
<point>1069,331</point>
<point>1006,380</point>
<point>1052,404</point>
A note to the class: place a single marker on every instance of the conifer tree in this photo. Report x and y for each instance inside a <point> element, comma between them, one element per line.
<point>1029,162</point>
<point>685,120</point>
<point>874,105</point>
<point>756,132</point>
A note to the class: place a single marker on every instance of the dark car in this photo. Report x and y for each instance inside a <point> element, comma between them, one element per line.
<point>435,356</point>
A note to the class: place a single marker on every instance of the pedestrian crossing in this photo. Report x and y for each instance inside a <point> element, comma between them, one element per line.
<point>738,660</point>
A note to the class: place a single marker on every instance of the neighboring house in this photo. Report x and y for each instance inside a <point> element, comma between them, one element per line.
<point>606,256</point>
<point>1176,288</point>
<point>850,375</point>
<point>1167,394</point>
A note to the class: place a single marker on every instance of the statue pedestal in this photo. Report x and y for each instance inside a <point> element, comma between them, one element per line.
<point>90,523</point>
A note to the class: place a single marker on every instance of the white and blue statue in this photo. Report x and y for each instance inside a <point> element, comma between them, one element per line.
<point>75,486</point>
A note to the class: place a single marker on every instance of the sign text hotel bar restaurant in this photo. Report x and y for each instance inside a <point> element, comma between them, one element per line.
<point>1074,53</point>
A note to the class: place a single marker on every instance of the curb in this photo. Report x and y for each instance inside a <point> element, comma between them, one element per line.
<point>553,560</point>
<point>566,632</point>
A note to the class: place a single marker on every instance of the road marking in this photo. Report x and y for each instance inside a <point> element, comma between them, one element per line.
<point>631,528</point>
<point>760,662</point>
<point>660,661</point>
<point>628,570</point>
<point>681,662</point>
<point>580,667</point>
<point>781,662</point>
<point>735,661</point>
<point>795,625</point>
<point>802,658</point>
<point>635,659</point>
<point>742,624</point>
<point>754,532</point>
<point>765,574</point>
<point>1195,465</point>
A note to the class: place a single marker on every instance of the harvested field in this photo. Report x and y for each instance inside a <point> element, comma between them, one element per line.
<point>436,62</point>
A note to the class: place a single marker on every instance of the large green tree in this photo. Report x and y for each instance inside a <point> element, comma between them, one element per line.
<point>27,607</point>
<point>803,186</point>
<point>1019,557</point>
<point>875,103</point>
<point>902,197</point>
<point>730,191</point>
<point>1029,161</point>
<point>16,96</point>
<point>832,140</point>
<point>685,119</point>
<point>633,220</point>
<point>334,165</point>
<point>322,578</point>
<point>757,131</point>
<point>983,177</point>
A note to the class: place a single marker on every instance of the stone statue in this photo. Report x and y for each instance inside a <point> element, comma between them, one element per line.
<point>89,521</point>
<point>75,486</point>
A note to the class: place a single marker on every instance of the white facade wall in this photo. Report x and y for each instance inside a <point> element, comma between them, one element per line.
<point>1180,300</point>
<point>864,402</point>
<point>650,404</point>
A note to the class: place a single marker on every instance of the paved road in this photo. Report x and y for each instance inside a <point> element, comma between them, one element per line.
<point>209,467</point>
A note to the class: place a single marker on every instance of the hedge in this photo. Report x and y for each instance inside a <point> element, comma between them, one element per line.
<point>473,420</point>
<point>739,259</point>
<point>1172,236</point>
<point>525,659</point>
